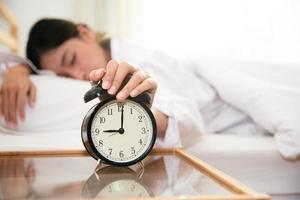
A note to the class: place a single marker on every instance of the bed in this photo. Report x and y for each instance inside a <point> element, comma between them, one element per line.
<point>253,160</point>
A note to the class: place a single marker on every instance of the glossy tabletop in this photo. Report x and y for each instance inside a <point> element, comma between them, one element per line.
<point>75,178</point>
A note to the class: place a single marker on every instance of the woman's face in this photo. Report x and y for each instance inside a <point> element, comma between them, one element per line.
<point>75,58</point>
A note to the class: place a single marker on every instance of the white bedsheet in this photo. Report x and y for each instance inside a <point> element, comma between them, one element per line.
<point>41,141</point>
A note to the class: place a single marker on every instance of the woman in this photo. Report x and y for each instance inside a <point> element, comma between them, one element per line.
<point>73,51</point>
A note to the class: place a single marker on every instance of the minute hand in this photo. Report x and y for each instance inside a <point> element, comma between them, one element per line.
<point>122,116</point>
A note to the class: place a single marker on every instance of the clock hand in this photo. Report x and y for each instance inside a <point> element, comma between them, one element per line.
<point>110,131</point>
<point>122,117</point>
<point>121,131</point>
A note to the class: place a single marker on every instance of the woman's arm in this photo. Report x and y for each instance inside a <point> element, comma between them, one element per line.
<point>161,122</point>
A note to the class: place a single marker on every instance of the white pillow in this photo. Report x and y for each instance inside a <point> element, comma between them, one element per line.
<point>59,105</point>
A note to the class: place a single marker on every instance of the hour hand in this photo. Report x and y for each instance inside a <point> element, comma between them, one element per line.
<point>110,131</point>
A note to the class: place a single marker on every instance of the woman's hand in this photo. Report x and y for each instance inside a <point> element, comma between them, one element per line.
<point>114,74</point>
<point>15,88</point>
<point>16,179</point>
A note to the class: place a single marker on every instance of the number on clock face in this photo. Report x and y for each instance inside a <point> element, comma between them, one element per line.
<point>121,131</point>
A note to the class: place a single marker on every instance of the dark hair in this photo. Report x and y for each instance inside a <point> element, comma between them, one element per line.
<point>47,34</point>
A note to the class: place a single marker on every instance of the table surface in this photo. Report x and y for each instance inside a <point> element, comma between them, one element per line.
<point>74,177</point>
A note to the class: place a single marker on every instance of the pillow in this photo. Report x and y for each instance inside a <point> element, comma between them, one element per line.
<point>59,105</point>
<point>268,93</point>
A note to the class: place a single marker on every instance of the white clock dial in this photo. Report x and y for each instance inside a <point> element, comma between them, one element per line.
<point>124,188</point>
<point>122,136</point>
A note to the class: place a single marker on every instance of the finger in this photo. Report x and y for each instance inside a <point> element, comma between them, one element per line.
<point>6,106</point>
<point>32,95</point>
<point>96,75</point>
<point>111,69</point>
<point>147,85</point>
<point>20,169</point>
<point>3,101</point>
<point>134,81</point>
<point>11,167</point>
<point>31,173</point>
<point>123,70</point>
<point>12,105</point>
<point>21,104</point>
<point>4,166</point>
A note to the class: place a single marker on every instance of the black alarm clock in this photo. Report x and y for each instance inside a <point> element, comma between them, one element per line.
<point>115,182</point>
<point>119,133</point>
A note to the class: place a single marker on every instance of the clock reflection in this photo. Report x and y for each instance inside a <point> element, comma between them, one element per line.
<point>113,182</point>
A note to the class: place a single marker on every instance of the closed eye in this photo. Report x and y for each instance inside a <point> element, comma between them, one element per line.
<point>73,60</point>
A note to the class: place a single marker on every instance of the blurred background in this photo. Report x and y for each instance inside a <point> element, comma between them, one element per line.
<point>248,30</point>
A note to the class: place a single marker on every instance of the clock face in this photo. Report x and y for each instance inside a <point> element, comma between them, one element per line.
<point>124,188</point>
<point>117,182</point>
<point>122,133</point>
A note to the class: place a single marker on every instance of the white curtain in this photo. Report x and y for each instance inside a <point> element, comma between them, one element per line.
<point>250,30</point>
<point>114,17</point>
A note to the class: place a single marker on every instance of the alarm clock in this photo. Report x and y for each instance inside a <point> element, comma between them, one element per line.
<point>114,182</point>
<point>120,133</point>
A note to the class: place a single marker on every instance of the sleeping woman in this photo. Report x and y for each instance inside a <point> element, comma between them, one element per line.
<point>185,105</point>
